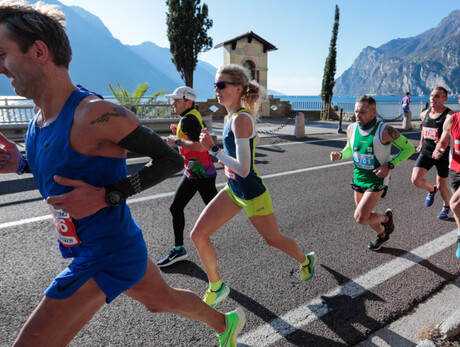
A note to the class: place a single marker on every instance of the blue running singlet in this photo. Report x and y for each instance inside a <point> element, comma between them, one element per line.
<point>48,154</point>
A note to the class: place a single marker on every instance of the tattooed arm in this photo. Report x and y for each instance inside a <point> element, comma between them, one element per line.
<point>406,149</point>
<point>102,128</point>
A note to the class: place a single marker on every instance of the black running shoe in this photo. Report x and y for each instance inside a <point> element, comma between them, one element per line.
<point>390,225</point>
<point>377,244</point>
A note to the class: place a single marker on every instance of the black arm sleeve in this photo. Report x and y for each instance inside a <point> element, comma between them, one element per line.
<point>165,161</point>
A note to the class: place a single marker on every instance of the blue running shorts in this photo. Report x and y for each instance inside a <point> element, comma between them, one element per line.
<point>114,273</point>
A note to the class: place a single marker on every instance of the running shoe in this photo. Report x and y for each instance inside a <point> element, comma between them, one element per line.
<point>308,270</point>
<point>173,257</point>
<point>458,247</point>
<point>235,322</point>
<point>430,197</point>
<point>390,225</point>
<point>379,242</point>
<point>213,298</point>
<point>444,214</point>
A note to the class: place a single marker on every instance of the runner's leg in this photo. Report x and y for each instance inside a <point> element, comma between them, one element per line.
<point>218,212</point>
<point>158,296</point>
<point>267,226</point>
<point>364,213</point>
<point>55,322</point>
<point>418,179</point>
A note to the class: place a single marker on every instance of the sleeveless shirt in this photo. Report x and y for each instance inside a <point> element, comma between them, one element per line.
<point>368,154</point>
<point>48,154</point>
<point>251,186</point>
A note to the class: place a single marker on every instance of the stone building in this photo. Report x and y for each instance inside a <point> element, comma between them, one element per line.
<point>251,51</point>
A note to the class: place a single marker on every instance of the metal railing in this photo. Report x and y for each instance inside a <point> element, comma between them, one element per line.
<point>22,114</point>
<point>390,109</point>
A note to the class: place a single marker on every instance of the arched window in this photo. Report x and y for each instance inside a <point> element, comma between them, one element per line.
<point>252,68</point>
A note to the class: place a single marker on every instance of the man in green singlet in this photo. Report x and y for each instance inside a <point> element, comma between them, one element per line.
<point>369,143</point>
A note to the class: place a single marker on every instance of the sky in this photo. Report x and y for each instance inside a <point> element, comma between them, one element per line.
<point>300,29</point>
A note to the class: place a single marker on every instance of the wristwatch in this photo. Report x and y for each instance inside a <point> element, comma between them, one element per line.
<point>113,197</point>
<point>391,166</point>
<point>177,141</point>
<point>214,150</point>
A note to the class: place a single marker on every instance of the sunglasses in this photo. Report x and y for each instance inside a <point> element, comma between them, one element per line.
<point>222,84</point>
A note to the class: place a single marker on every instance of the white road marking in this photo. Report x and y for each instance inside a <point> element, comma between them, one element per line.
<point>277,329</point>
<point>164,195</point>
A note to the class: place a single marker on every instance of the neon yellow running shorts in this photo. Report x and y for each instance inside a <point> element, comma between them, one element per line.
<point>259,206</point>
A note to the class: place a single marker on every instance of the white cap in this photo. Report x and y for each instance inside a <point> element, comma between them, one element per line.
<point>183,93</point>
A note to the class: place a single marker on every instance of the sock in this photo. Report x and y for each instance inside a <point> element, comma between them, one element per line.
<point>215,286</point>
<point>306,262</point>
<point>177,248</point>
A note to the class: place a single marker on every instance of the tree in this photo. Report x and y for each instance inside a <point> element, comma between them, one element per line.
<point>330,67</point>
<point>129,99</point>
<point>188,24</point>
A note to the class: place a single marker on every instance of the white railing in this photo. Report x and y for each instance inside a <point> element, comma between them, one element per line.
<point>22,114</point>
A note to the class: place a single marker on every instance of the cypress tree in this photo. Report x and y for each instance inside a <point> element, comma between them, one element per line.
<point>188,24</point>
<point>330,67</point>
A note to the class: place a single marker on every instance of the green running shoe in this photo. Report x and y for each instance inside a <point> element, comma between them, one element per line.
<point>235,322</point>
<point>308,270</point>
<point>213,298</point>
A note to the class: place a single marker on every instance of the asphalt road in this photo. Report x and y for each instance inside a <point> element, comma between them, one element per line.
<point>353,293</point>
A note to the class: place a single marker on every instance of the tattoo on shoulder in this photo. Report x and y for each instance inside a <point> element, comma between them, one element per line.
<point>394,134</point>
<point>105,117</point>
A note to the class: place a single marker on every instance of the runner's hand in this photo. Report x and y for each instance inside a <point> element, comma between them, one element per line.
<point>437,153</point>
<point>81,202</point>
<point>335,156</point>
<point>206,139</point>
<point>9,155</point>
<point>382,171</point>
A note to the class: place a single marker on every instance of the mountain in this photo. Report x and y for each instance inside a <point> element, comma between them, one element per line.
<point>203,77</point>
<point>416,64</point>
<point>99,59</point>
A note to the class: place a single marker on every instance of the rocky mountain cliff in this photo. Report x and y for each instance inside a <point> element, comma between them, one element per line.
<point>416,64</point>
<point>99,59</point>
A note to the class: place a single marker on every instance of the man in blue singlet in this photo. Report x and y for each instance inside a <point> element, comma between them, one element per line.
<point>76,148</point>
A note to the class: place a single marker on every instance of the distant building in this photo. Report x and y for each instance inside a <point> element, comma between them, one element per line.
<point>250,50</point>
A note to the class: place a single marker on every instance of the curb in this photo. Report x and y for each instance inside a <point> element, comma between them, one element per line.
<point>448,329</point>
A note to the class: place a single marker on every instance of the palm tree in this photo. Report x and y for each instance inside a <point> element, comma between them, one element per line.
<point>128,99</point>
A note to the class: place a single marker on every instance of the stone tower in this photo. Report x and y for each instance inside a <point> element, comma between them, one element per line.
<point>250,50</point>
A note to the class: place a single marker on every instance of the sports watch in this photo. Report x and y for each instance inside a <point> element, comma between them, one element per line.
<point>214,150</point>
<point>113,197</point>
<point>391,165</point>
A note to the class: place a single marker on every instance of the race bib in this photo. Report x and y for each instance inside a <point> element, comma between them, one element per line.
<point>65,229</point>
<point>457,147</point>
<point>364,161</point>
<point>231,175</point>
<point>430,133</point>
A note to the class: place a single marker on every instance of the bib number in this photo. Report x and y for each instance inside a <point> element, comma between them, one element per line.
<point>457,147</point>
<point>364,161</point>
<point>231,175</point>
<point>430,133</point>
<point>65,229</point>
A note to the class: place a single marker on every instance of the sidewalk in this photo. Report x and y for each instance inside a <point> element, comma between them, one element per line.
<point>441,310</point>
